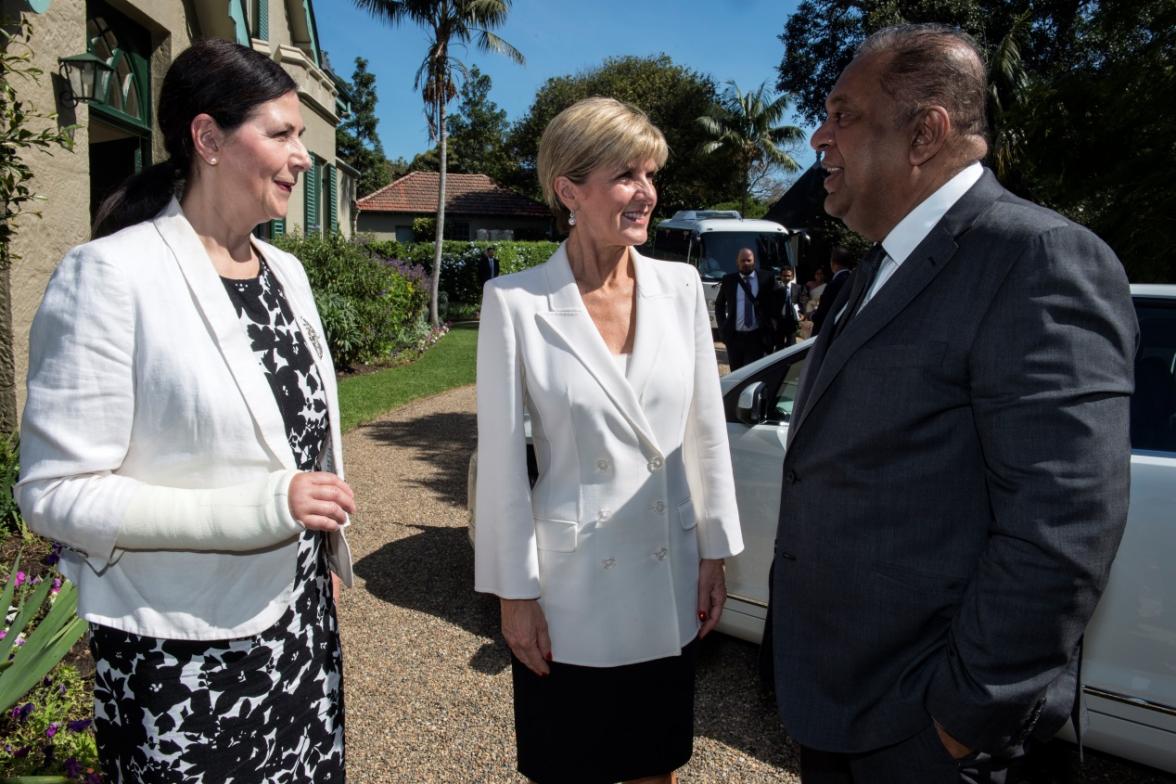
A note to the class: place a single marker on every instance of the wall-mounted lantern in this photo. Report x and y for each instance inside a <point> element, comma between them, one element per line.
<point>88,77</point>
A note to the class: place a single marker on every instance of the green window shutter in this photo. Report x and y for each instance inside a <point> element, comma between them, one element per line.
<point>310,201</point>
<point>278,228</point>
<point>262,20</point>
<point>332,199</point>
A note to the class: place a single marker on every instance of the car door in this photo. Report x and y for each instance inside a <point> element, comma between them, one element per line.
<point>758,438</point>
<point>1129,665</point>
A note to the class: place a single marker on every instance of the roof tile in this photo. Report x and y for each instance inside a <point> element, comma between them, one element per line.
<point>466,194</point>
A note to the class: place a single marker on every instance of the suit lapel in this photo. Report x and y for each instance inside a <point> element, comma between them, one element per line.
<point>569,320</point>
<point>211,300</point>
<point>926,261</point>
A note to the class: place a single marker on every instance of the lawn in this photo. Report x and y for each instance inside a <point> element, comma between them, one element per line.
<point>446,365</point>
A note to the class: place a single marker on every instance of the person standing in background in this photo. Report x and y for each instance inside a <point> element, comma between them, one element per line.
<point>743,311</point>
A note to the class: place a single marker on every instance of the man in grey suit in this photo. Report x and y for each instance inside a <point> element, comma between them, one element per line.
<point>956,480</point>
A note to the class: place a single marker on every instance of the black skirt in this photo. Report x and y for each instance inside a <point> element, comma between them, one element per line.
<point>601,725</point>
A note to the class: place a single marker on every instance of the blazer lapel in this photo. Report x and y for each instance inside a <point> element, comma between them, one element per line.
<point>569,320</point>
<point>653,321</point>
<point>915,274</point>
<point>209,295</point>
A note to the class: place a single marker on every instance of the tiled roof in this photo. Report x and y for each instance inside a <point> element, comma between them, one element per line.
<point>466,194</point>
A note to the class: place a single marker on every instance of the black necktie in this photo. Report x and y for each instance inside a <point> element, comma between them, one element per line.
<point>748,303</point>
<point>859,286</point>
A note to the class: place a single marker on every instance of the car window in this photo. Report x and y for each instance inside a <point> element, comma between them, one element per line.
<point>785,396</point>
<point>1153,406</point>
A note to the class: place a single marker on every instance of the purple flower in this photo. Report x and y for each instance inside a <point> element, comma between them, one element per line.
<point>81,725</point>
<point>21,712</point>
<point>51,730</point>
<point>21,753</point>
<point>20,579</point>
<point>3,633</point>
<point>56,585</point>
<point>54,555</point>
<point>19,641</point>
<point>73,768</point>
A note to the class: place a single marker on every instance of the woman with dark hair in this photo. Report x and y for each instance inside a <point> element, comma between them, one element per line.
<point>181,438</point>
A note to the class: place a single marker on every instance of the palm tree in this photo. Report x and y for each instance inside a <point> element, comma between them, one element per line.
<point>1008,90</point>
<point>747,127</point>
<point>448,22</point>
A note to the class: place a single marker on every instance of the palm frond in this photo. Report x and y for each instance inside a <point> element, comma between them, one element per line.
<point>489,42</point>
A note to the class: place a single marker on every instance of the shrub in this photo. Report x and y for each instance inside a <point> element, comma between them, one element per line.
<point>459,261</point>
<point>11,523</point>
<point>370,308</point>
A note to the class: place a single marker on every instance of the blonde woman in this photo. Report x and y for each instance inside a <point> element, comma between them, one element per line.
<point>610,567</point>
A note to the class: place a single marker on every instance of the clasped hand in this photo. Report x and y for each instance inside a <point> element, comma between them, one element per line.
<point>320,500</point>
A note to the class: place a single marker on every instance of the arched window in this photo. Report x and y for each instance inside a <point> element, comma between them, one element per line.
<point>126,47</point>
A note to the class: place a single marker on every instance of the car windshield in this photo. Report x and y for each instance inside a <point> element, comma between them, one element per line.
<point>720,248</point>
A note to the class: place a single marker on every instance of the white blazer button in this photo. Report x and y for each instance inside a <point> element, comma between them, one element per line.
<point>602,464</point>
<point>659,507</point>
<point>661,554</point>
<point>655,463</point>
<point>604,514</point>
<point>608,563</point>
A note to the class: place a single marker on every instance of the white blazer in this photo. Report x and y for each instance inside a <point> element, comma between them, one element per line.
<point>140,373</point>
<point>635,481</point>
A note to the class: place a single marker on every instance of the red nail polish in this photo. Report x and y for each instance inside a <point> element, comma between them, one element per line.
<point>547,656</point>
<point>701,615</point>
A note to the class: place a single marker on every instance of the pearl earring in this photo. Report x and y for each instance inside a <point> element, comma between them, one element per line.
<point>571,217</point>
<point>212,161</point>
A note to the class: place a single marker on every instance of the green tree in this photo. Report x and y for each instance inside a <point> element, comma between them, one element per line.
<point>356,139</point>
<point>748,127</point>
<point>672,95</point>
<point>459,22</point>
<point>477,133</point>
<point>1073,102</point>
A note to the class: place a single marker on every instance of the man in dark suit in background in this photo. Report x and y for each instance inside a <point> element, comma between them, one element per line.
<point>841,263</point>
<point>487,266</point>
<point>956,479</point>
<point>743,311</point>
<point>785,309</point>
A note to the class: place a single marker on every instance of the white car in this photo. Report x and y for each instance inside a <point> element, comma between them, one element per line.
<point>1129,659</point>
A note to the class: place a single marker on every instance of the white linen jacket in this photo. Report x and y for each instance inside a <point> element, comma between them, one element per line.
<point>140,373</point>
<point>635,481</point>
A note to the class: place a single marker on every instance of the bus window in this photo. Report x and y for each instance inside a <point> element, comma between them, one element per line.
<point>720,248</point>
<point>672,244</point>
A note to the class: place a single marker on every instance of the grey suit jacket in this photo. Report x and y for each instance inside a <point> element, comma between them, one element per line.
<point>955,486</point>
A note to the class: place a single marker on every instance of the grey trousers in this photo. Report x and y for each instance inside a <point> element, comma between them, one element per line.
<point>920,759</point>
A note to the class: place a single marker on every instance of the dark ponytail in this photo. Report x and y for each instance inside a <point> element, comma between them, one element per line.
<point>216,77</point>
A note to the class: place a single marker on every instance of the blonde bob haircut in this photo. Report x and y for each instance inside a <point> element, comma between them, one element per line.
<point>593,133</point>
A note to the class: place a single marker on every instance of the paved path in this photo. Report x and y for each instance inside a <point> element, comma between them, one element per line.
<point>427,675</point>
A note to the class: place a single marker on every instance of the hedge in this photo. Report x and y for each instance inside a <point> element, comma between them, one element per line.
<point>459,261</point>
<point>371,308</point>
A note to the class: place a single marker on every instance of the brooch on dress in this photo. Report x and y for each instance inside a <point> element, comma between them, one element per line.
<point>313,337</point>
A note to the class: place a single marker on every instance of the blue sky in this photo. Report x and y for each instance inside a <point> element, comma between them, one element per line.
<point>727,39</point>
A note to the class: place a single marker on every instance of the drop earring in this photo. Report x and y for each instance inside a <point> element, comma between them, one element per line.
<point>571,217</point>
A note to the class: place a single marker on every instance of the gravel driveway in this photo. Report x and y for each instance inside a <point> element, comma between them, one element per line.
<point>427,675</point>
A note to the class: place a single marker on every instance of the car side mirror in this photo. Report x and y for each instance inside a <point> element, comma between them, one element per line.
<point>750,408</point>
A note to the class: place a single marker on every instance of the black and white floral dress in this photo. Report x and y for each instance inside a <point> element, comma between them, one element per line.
<point>266,708</point>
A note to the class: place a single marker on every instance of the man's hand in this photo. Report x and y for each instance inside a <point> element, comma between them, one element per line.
<point>956,749</point>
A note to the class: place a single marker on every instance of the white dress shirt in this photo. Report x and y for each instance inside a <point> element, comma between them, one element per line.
<point>917,224</point>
